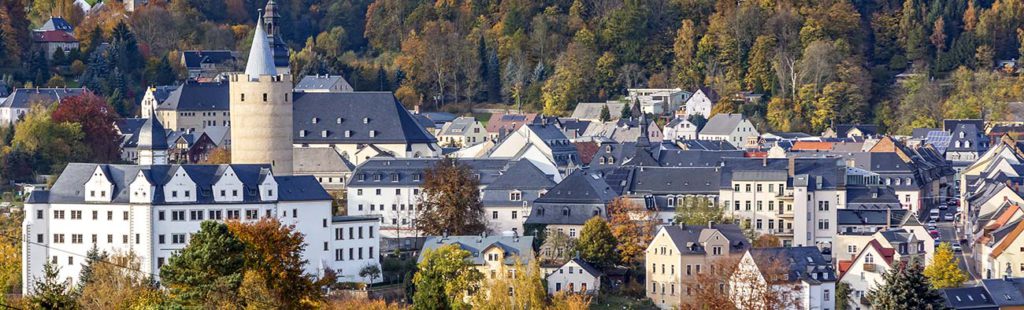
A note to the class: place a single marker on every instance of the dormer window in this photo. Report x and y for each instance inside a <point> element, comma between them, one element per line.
<point>394,177</point>
<point>566,212</point>
<point>316,120</point>
<point>339,120</point>
<point>324,133</point>
<point>515,196</point>
<point>302,133</point>
<point>373,133</point>
<point>416,177</point>
<point>366,120</point>
<point>348,133</point>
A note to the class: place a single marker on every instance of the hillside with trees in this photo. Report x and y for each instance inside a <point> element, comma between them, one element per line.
<point>897,63</point>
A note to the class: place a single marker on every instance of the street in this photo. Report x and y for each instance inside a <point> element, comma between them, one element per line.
<point>947,233</point>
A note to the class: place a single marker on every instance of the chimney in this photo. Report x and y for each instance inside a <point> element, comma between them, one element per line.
<point>764,161</point>
<point>888,218</point>
<point>711,224</point>
<point>416,109</point>
<point>792,166</point>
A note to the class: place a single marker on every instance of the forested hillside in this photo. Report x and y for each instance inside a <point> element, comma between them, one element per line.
<point>898,63</point>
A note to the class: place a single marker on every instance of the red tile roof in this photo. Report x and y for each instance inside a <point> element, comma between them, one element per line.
<point>53,36</point>
<point>811,146</point>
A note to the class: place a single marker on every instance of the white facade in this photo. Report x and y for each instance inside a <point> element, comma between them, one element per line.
<point>573,278</point>
<point>63,231</point>
<point>658,101</point>
<point>699,103</point>
<point>396,206</point>
<point>808,294</point>
<point>680,129</point>
<point>797,216</point>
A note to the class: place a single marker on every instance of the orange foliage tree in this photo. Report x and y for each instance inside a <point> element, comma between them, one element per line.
<point>633,226</point>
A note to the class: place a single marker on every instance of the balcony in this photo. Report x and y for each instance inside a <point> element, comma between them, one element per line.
<point>869,267</point>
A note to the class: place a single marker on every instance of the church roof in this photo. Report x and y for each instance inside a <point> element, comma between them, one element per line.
<point>261,57</point>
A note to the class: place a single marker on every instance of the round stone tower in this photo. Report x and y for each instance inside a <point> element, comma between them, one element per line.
<point>261,110</point>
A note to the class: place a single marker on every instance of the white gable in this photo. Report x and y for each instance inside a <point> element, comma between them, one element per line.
<point>228,188</point>
<point>180,188</point>
<point>99,188</point>
<point>268,189</point>
<point>141,190</point>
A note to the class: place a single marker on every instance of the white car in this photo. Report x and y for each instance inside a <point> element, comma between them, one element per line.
<point>956,247</point>
<point>943,206</point>
<point>948,217</point>
<point>933,215</point>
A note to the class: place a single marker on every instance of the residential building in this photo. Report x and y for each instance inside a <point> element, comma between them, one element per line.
<point>390,189</point>
<point>567,206</point>
<point>55,34</point>
<point>850,131</point>
<point>999,293</point>
<point>591,111</point>
<point>575,276</point>
<point>734,128</point>
<point>664,189</point>
<point>701,102</point>
<point>794,199</point>
<point>208,63</point>
<point>325,164</point>
<point>502,124</point>
<point>658,101</point>
<point>509,199</point>
<point>679,129</point>
<point>323,84</point>
<point>801,271</point>
<point>543,144</point>
<point>190,107</point>
<point>865,272</point>
<point>152,210</point>
<point>1000,246</point>
<point>678,255</point>
<point>22,99</point>
<point>462,132</point>
<point>967,143</point>
<point>488,254</point>
<point>623,130</point>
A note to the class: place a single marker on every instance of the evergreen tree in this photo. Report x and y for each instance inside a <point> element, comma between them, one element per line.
<point>85,276</point>
<point>160,72</point>
<point>95,40</point>
<point>208,272</point>
<point>4,62</point>
<point>905,287</point>
<point>605,114</point>
<point>39,67</point>
<point>50,292</point>
<point>597,244</point>
<point>59,58</point>
<point>626,112</point>
<point>943,271</point>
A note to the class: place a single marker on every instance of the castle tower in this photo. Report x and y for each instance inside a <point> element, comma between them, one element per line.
<point>271,19</point>
<point>152,143</point>
<point>261,110</point>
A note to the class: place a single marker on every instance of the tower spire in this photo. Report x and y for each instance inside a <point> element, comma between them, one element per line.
<point>261,57</point>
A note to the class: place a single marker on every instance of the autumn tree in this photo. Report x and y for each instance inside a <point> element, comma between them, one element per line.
<point>573,78</point>
<point>633,226</point>
<point>218,156</point>
<point>116,284</point>
<point>444,278</point>
<point>761,281</point>
<point>525,282</point>
<point>10,255</point>
<point>208,271</point>
<point>944,271</point>
<point>711,287</point>
<point>566,300</point>
<point>450,201</point>
<point>597,243</point>
<point>557,247</point>
<point>766,241</point>
<point>905,287</point>
<point>96,118</point>
<point>684,48</point>
<point>274,251</point>
<point>53,144</point>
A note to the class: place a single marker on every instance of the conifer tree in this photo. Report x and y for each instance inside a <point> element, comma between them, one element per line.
<point>606,115</point>
<point>905,287</point>
<point>50,292</point>
<point>208,272</point>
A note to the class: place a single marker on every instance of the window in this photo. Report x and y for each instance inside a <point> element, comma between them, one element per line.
<point>195,215</point>
<point>515,214</point>
<point>178,238</point>
<point>515,196</point>
<point>178,215</point>
<point>826,295</point>
<point>76,214</point>
<point>160,239</point>
<point>160,215</point>
<point>758,188</point>
<point>76,238</point>
<point>869,259</point>
<point>234,214</point>
<point>125,213</point>
<point>716,250</point>
<point>39,214</point>
<point>58,214</point>
<point>494,215</point>
<point>251,214</point>
<point>572,232</point>
<point>216,215</point>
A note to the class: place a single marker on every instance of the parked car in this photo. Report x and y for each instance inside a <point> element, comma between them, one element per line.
<point>934,233</point>
<point>948,217</point>
<point>943,207</point>
<point>931,227</point>
<point>956,248</point>
<point>933,215</point>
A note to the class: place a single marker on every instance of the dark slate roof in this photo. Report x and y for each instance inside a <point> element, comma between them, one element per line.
<point>160,93</point>
<point>706,145</point>
<point>195,59</point>
<point>867,196</point>
<point>358,113</point>
<point>972,136</point>
<point>128,126</point>
<point>1005,292</point>
<point>349,218</point>
<point>383,171</point>
<point>580,187</point>
<point>674,180</point>
<point>152,135</point>
<point>689,239</point>
<point>843,129</point>
<point>439,118</point>
<point>57,23</point>
<point>820,173</point>
<point>318,82</point>
<point>853,217</point>
<point>952,124</point>
<point>424,121</point>
<point>975,298</point>
<point>23,98</point>
<point>587,267</point>
<point>69,186</point>
<point>722,124</point>
<point>514,247</point>
<point>695,158</point>
<point>805,263</point>
<point>194,96</point>
<point>522,175</point>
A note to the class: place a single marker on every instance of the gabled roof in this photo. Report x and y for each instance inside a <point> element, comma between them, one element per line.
<point>513,246</point>
<point>316,160</point>
<point>804,263</point>
<point>319,82</point>
<point>23,98</point>
<point>69,186</point>
<point>590,269</point>
<point>690,239</point>
<point>869,217</point>
<point>458,127</point>
<point>818,146</point>
<point>510,122</point>
<point>359,114</point>
<point>962,298</point>
<point>592,110</point>
<point>580,187</point>
<point>522,175</point>
<point>193,96</point>
<point>194,59</point>
<point>867,129</point>
<point>1006,236</point>
<point>722,124</point>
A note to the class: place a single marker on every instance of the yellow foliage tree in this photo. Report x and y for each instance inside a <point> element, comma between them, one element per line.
<point>943,271</point>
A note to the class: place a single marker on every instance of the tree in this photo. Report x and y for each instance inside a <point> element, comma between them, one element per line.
<point>697,211</point>
<point>712,287</point>
<point>118,285</point>
<point>905,287</point>
<point>843,293</point>
<point>633,226</point>
<point>96,118</point>
<point>519,287</point>
<point>160,72</point>
<point>208,271</point>
<point>450,201</point>
<point>626,112</point>
<point>606,115</point>
<point>767,241</point>
<point>10,255</point>
<point>943,271</point>
<point>573,78</point>
<point>273,251</point>
<point>50,292</point>
<point>371,272</point>
<point>557,248</point>
<point>597,244</point>
<point>53,144</point>
<point>444,278</point>
<point>218,156</point>
<point>761,281</point>
<point>85,276</point>
<point>684,48</point>
<point>566,300</point>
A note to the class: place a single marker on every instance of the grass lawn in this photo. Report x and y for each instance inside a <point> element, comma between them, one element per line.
<point>618,302</point>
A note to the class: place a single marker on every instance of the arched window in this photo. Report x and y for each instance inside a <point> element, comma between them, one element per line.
<point>869,259</point>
